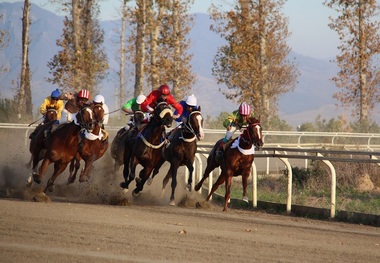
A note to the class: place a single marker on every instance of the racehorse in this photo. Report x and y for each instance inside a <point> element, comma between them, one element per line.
<point>181,151</point>
<point>147,148</point>
<point>62,145</point>
<point>51,116</point>
<point>92,146</point>
<point>124,139</point>
<point>237,160</point>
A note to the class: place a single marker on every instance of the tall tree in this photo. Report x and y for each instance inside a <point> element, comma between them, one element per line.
<point>82,62</point>
<point>24,95</point>
<point>358,26</point>
<point>254,63</point>
<point>160,50</point>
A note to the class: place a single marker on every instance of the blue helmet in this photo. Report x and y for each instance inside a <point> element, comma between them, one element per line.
<point>55,94</point>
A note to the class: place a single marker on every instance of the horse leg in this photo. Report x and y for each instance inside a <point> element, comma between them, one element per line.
<point>58,169</point>
<point>37,177</point>
<point>215,186</point>
<point>228,191</point>
<point>85,171</point>
<point>245,176</point>
<point>211,165</point>
<point>129,172</point>
<point>140,181</point>
<point>74,164</point>
<point>190,167</point>
<point>165,182</point>
<point>173,169</point>
<point>156,170</point>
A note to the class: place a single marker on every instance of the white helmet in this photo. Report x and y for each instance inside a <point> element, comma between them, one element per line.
<point>191,100</point>
<point>140,99</point>
<point>99,99</point>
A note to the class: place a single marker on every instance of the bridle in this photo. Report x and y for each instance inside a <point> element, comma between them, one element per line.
<point>187,127</point>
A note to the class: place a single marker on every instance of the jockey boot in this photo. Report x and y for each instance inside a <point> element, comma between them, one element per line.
<point>219,152</point>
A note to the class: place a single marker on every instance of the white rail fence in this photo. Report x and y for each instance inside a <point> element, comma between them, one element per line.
<point>284,145</point>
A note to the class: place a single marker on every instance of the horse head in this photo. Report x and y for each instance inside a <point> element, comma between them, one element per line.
<point>194,124</point>
<point>98,112</point>
<point>51,114</point>
<point>163,114</point>
<point>255,132</point>
<point>85,118</point>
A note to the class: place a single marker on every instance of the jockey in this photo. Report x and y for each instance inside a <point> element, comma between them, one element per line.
<point>99,99</point>
<point>75,102</point>
<point>162,93</point>
<point>131,106</point>
<point>53,101</point>
<point>237,119</point>
<point>189,105</point>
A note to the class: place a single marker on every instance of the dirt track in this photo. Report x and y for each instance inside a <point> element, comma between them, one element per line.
<point>81,225</point>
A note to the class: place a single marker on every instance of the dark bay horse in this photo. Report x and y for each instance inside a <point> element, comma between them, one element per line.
<point>124,139</point>
<point>51,116</point>
<point>62,145</point>
<point>237,160</point>
<point>92,146</point>
<point>181,151</point>
<point>147,148</point>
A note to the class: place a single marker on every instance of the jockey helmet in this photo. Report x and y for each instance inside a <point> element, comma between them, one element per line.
<point>164,89</point>
<point>140,99</point>
<point>84,94</point>
<point>191,101</point>
<point>99,99</point>
<point>244,109</point>
<point>55,94</point>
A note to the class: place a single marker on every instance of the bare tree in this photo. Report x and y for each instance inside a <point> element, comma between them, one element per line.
<point>359,78</point>
<point>25,107</point>
<point>4,41</point>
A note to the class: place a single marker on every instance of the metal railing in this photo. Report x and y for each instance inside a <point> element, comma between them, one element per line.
<point>326,147</point>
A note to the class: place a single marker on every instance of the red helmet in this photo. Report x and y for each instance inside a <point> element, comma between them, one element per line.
<point>244,109</point>
<point>164,89</point>
<point>84,94</point>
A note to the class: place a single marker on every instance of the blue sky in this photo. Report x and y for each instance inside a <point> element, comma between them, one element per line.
<point>308,21</point>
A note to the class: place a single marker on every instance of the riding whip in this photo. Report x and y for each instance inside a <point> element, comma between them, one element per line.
<point>36,121</point>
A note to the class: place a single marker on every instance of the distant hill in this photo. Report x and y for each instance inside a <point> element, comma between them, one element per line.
<point>312,96</point>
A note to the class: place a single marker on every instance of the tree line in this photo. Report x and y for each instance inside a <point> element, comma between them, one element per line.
<point>253,66</point>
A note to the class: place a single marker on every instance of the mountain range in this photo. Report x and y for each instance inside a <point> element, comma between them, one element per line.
<point>311,97</point>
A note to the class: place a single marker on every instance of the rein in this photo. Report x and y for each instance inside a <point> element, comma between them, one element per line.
<point>189,129</point>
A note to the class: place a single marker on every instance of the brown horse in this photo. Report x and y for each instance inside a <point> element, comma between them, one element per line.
<point>91,148</point>
<point>147,148</point>
<point>124,139</point>
<point>62,145</point>
<point>237,160</point>
<point>50,117</point>
<point>181,151</point>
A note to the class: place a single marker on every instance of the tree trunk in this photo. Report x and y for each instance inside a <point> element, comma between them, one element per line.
<point>362,67</point>
<point>263,62</point>
<point>76,11</point>
<point>25,107</point>
<point>140,46</point>
<point>120,100</point>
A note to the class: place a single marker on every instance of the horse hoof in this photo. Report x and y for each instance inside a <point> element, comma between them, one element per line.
<point>36,178</point>
<point>125,190</point>
<point>188,187</point>
<point>149,181</point>
<point>51,188</point>
<point>197,187</point>
<point>245,199</point>
<point>135,193</point>
<point>124,185</point>
<point>172,203</point>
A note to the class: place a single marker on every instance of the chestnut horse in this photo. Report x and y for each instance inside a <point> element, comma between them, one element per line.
<point>62,145</point>
<point>124,139</point>
<point>51,116</point>
<point>181,151</point>
<point>147,148</point>
<point>91,148</point>
<point>237,160</point>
